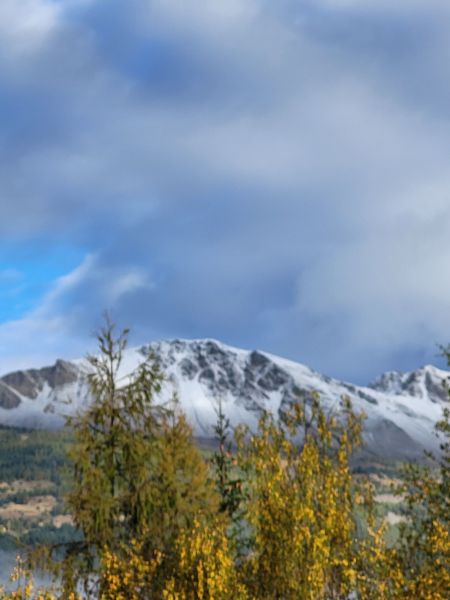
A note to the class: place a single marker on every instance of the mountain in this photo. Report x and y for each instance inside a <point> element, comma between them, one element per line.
<point>401,408</point>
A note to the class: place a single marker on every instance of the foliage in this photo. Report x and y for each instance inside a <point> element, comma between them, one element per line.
<point>282,518</point>
<point>228,484</point>
<point>206,569</point>
<point>115,440</point>
<point>135,469</point>
<point>25,588</point>
<point>128,572</point>
<point>423,556</point>
<point>182,488</point>
<point>302,505</point>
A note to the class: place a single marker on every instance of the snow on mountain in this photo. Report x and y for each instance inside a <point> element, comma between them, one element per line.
<point>401,408</point>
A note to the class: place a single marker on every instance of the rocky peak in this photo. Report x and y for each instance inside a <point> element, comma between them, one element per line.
<point>27,383</point>
<point>8,398</point>
<point>426,382</point>
<point>60,374</point>
<point>31,382</point>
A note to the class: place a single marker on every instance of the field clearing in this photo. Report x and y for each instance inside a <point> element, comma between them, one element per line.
<point>388,499</point>
<point>36,507</point>
<point>23,485</point>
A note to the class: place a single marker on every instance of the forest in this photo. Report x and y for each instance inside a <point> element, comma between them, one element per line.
<point>276,513</point>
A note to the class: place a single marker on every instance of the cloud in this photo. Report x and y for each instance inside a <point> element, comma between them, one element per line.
<point>75,299</point>
<point>25,26</point>
<point>384,6</point>
<point>272,174</point>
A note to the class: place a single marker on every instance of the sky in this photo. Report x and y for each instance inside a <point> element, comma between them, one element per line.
<point>275,175</point>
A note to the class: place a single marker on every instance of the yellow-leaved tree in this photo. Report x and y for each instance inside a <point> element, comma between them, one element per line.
<point>422,555</point>
<point>304,540</point>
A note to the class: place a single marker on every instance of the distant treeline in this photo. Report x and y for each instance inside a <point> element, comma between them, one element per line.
<point>33,454</point>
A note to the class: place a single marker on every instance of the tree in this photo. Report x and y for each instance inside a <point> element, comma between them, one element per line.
<point>302,506</point>
<point>423,554</point>
<point>182,488</point>
<point>137,476</point>
<point>116,440</point>
<point>228,480</point>
<point>158,560</point>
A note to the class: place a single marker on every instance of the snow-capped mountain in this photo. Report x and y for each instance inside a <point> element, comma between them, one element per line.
<point>401,408</point>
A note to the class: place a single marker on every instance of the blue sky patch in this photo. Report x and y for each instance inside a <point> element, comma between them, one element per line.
<point>28,272</point>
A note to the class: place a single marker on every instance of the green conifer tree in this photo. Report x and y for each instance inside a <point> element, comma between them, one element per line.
<point>228,483</point>
<point>137,475</point>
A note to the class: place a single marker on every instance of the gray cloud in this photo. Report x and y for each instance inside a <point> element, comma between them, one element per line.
<point>273,174</point>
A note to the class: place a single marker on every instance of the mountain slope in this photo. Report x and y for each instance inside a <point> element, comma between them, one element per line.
<point>401,408</point>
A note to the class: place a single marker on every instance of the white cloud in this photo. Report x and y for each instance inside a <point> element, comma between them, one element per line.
<point>60,325</point>
<point>385,6</point>
<point>26,25</point>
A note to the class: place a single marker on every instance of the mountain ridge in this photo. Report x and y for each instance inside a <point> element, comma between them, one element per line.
<point>401,408</point>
